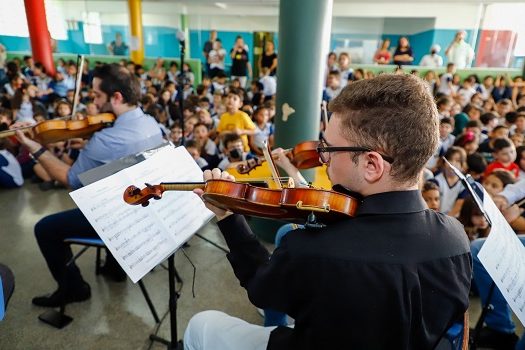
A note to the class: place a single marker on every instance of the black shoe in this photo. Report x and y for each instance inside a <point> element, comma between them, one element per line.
<point>46,185</point>
<point>113,272</point>
<point>36,180</point>
<point>490,338</point>
<point>62,296</point>
<point>57,184</point>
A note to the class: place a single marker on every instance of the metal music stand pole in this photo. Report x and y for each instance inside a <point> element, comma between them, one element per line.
<point>172,344</point>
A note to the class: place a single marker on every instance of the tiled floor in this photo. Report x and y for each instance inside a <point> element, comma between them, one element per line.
<point>117,316</point>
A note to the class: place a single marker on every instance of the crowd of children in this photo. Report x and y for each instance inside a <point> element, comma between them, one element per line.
<point>481,133</point>
<point>220,123</point>
<point>482,130</point>
<point>482,122</point>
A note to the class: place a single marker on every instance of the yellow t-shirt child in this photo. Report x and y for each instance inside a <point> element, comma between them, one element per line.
<point>239,120</point>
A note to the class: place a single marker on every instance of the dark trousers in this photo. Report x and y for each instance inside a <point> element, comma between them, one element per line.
<point>50,233</point>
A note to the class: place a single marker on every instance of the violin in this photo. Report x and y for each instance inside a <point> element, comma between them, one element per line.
<point>56,130</point>
<point>303,156</point>
<point>61,129</point>
<point>290,204</point>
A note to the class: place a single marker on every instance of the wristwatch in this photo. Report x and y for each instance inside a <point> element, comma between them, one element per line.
<point>38,153</point>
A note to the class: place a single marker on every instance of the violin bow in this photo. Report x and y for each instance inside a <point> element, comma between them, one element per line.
<point>324,114</point>
<point>80,68</point>
<point>275,173</point>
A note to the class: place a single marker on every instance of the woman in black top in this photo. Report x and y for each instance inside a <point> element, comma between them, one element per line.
<point>403,55</point>
<point>241,67</point>
<point>268,58</point>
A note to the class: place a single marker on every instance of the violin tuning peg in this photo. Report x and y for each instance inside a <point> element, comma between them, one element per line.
<point>156,197</point>
<point>145,204</point>
<point>148,185</point>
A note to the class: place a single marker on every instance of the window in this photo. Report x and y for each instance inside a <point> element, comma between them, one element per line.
<point>55,21</point>
<point>507,16</point>
<point>92,28</point>
<point>13,21</point>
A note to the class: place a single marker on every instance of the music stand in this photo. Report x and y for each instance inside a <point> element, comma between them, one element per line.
<point>59,319</point>
<point>476,193</point>
<point>111,168</point>
<point>175,344</point>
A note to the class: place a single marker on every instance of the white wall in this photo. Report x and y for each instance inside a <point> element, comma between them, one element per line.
<point>448,15</point>
<point>408,25</point>
<point>504,16</point>
<point>234,23</point>
<point>514,19</point>
<point>355,25</point>
<point>264,16</point>
<point>116,12</point>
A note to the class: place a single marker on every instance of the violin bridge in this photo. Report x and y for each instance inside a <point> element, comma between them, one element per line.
<point>324,209</point>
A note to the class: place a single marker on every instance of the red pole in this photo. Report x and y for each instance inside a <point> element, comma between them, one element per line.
<point>39,34</point>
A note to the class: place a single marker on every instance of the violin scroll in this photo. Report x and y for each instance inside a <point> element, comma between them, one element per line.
<point>249,165</point>
<point>135,196</point>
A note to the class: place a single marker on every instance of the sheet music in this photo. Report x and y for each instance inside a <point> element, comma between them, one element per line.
<point>503,256</point>
<point>142,237</point>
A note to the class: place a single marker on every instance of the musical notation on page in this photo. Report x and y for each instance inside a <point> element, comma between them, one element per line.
<point>502,254</point>
<point>141,238</point>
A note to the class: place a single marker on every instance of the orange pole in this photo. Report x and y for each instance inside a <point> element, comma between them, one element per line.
<point>39,34</point>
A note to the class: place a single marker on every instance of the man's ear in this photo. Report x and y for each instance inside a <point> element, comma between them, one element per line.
<point>373,166</point>
<point>117,97</point>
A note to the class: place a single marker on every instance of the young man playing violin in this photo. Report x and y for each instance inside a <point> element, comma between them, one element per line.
<point>117,91</point>
<point>396,276</point>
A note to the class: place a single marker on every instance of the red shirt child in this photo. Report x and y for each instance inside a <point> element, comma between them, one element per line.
<point>504,157</point>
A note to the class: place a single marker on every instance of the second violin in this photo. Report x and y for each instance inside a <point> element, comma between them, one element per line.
<point>303,156</point>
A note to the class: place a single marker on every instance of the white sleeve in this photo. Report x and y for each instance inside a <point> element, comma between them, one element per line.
<point>514,192</point>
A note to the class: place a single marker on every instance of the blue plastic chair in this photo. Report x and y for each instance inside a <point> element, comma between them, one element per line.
<point>7,282</point>
<point>456,337</point>
<point>2,302</point>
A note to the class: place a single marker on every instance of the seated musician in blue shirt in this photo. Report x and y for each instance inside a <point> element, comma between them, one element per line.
<point>117,91</point>
<point>395,276</point>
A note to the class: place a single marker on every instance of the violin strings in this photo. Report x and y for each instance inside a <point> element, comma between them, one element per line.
<point>251,179</point>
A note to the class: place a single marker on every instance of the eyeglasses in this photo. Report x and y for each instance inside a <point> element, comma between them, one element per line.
<point>324,151</point>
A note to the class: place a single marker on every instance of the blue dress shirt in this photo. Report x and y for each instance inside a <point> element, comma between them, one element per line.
<point>132,132</point>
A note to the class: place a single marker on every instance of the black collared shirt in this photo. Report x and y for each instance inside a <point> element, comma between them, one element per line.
<point>396,276</point>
